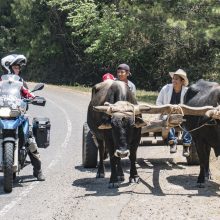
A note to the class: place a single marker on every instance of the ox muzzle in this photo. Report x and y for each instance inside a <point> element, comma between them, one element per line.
<point>122,153</point>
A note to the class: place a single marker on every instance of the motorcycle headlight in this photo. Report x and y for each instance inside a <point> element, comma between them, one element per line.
<point>5,112</point>
<point>15,113</point>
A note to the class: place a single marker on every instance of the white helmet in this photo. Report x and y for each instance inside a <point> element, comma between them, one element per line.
<point>13,59</point>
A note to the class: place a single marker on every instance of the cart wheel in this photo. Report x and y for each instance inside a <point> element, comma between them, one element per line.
<point>89,149</point>
<point>193,158</point>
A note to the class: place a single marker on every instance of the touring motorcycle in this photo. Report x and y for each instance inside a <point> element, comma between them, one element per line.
<point>14,127</point>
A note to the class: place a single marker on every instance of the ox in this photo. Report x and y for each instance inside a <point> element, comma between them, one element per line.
<point>208,133</point>
<point>120,136</point>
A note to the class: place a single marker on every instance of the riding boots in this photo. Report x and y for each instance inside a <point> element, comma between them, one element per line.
<point>35,159</point>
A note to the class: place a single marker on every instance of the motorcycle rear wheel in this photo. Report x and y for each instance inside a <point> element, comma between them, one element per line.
<point>8,166</point>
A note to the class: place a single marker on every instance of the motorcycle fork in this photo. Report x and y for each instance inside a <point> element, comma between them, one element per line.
<point>22,147</point>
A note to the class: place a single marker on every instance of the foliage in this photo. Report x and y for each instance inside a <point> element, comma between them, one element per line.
<point>70,42</point>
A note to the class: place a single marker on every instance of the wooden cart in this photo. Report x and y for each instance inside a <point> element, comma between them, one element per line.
<point>156,132</point>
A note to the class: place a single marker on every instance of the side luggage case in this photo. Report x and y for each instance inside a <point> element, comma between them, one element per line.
<point>41,131</point>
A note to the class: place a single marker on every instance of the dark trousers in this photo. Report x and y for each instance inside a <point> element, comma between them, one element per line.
<point>35,161</point>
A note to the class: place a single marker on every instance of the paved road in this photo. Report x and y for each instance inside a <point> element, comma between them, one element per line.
<point>167,189</point>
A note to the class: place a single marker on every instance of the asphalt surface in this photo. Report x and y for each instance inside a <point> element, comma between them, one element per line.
<point>61,161</point>
<point>167,189</point>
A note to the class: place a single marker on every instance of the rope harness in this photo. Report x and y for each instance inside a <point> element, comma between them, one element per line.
<point>194,129</point>
<point>178,109</point>
<point>205,124</point>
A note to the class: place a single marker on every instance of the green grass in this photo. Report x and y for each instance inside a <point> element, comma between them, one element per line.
<point>142,95</point>
<point>146,96</point>
<point>83,88</point>
<point>80,88</point>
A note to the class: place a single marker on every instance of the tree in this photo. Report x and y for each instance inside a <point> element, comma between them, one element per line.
<point>77,41</point>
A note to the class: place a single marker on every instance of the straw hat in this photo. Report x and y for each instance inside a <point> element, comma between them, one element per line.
<point>182,74</point>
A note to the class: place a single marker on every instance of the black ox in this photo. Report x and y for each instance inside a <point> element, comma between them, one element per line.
<point>120,137</point>
<point>207,135</point>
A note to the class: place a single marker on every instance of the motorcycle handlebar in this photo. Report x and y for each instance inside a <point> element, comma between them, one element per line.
<point>37,100</point>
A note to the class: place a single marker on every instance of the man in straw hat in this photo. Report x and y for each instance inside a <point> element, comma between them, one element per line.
<point>173,94</point>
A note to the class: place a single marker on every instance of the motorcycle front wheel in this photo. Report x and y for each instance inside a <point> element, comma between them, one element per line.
<point>8,166</point>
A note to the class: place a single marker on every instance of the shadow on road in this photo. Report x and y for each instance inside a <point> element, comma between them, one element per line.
<point>25,179</point>
<point>99,186</point>
<point>189,182</point>
<point>96,187</point>
<point>18,182</point>
<point>154,167</point>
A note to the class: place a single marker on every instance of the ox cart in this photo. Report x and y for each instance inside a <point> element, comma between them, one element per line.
<point>153,133</point>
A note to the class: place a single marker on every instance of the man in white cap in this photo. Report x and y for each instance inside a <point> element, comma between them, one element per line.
<point>173,94</point>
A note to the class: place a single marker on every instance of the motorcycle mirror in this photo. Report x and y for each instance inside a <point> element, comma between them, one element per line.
<point>39,86</point>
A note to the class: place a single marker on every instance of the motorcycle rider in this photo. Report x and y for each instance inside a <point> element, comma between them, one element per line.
<point>12,64</point>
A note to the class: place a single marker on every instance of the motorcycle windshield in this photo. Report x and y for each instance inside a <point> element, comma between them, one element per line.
<point>10,92</point>
<point>10,77</point>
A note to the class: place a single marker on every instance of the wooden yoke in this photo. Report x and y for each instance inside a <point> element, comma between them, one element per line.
<point>163,125</point>
<point>174,114</point>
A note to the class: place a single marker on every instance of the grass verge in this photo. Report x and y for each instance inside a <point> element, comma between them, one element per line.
<point>142,95</point>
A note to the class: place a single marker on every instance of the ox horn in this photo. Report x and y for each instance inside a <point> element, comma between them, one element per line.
<point>213,114</point>
<point>101,108</point>
<point>114,108</point>
<point>209,113</point>
<point>155,109</point>
<point>198,111</point>
<point>175,109</point>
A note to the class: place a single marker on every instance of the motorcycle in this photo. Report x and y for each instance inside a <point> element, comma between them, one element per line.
<point>14,127</point>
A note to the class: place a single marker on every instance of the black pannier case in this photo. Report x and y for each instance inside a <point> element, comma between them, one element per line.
<point>41,131</point>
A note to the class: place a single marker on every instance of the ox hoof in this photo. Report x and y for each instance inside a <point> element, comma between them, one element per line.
<point>121,178</point>
<point>135,179</point>
<point>208,178</point>
<point>100,175</point>
<point>201,185</point>
<point>113,185</point>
